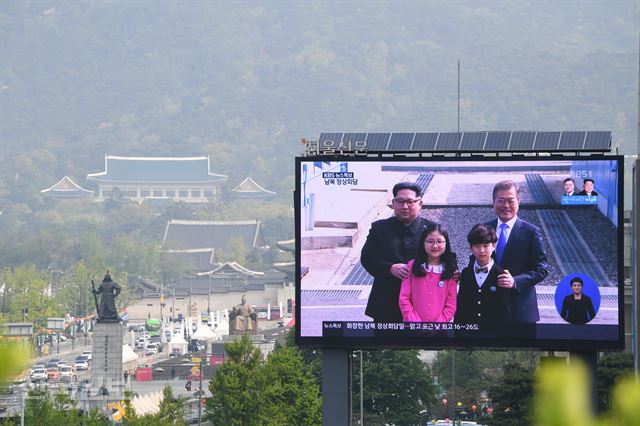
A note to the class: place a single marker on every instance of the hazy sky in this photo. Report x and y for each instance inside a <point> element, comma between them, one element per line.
<point>218,72</point>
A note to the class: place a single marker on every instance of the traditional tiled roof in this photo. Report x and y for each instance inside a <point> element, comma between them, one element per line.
<point>248,188</point>
<point>232,267</point>
<point>66,188</point>
<point>286,267</point>
<point>223,283</point>
<point>193,234</point>
<point>219,283</point>
<point>287,245</point>
<point>156,169</point>
<point>196,260</point>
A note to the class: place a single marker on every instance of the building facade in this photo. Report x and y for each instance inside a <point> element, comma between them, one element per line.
<point>186,179</point>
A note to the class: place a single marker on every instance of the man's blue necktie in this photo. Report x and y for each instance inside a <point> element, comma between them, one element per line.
<point>502,241</point>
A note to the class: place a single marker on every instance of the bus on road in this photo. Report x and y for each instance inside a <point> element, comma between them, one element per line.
<point>153,327</point>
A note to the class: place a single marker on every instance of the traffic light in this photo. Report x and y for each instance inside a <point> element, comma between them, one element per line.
<point>188,386</point>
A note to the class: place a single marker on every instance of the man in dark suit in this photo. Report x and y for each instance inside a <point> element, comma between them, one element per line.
<point>587,187</point>
<point>520,252</point>
<point>391,243</point>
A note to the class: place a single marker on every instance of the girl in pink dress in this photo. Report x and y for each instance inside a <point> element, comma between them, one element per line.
<point>428,294</point>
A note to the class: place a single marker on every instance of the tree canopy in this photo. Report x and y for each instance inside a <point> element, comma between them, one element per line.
<point>248,390</point>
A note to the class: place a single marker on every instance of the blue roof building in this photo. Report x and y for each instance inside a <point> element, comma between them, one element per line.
<point>187,179</point>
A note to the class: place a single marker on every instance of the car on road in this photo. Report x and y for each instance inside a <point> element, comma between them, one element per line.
<point>53,373</point>
<point>88,354</point>
<point>81,363</point>
<point>141,342</point>
<point>53,362</point>
<point>67,373</point>
<point>62,363</point>
<point>38,374</point>
<point>135,327</point>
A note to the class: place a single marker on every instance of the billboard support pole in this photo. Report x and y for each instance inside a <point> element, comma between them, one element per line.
<point>590,360</point>
<point>635,267</point>
<point>336,389</point>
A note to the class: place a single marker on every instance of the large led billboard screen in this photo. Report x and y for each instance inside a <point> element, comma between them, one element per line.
<point>463,252</point>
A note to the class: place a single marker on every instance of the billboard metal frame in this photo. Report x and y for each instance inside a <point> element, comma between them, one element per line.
<point>454,343</point>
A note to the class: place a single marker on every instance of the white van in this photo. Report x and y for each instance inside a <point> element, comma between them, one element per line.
<point>152,348</point>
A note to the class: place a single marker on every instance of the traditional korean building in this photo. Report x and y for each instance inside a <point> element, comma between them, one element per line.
<point>216,235</point>
<point>186,179</point>
<point>288,266</point>
<point>66,188</point>
<point>195,243</point>
<point>248,188</point>
<point>194,260</point>
<point>216,289</point>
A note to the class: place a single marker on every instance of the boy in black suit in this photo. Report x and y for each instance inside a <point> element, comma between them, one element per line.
<point>480,299</point>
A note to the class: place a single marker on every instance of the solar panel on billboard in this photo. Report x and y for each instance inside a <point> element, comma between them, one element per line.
<point>377,141</point>
<point>400,141</point>
<point>571,140</point>
<point>448,141</point>
<point>547,141</point>
<point>522,141</point>
<point>473,141</point>
<point>497,141</point>
<point>353,137</point>
<point>598,140</point>
<point>424,142</point>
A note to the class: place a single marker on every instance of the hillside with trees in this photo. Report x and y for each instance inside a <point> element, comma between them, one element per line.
<point>243,82</point>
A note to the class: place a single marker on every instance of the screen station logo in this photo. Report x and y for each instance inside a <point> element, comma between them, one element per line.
<point>343,177</point>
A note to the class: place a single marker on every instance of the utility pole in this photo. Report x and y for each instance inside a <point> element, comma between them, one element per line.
<point>200,394</point>
<point>361,393</point>
<point>201,373</point>
<point>453,386</point>
<point>209,298</point>
<point>161,298</point>
<point>22,404</point>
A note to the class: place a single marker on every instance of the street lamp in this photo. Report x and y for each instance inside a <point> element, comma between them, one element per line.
<point>209,299</point>
<point>162,304</point>
<point>200,374</point>
<point>422,417</point>
<point>361,392</point>
<point>453,385</point>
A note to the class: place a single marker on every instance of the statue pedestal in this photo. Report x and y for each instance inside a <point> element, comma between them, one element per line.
<point>106,366</point>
